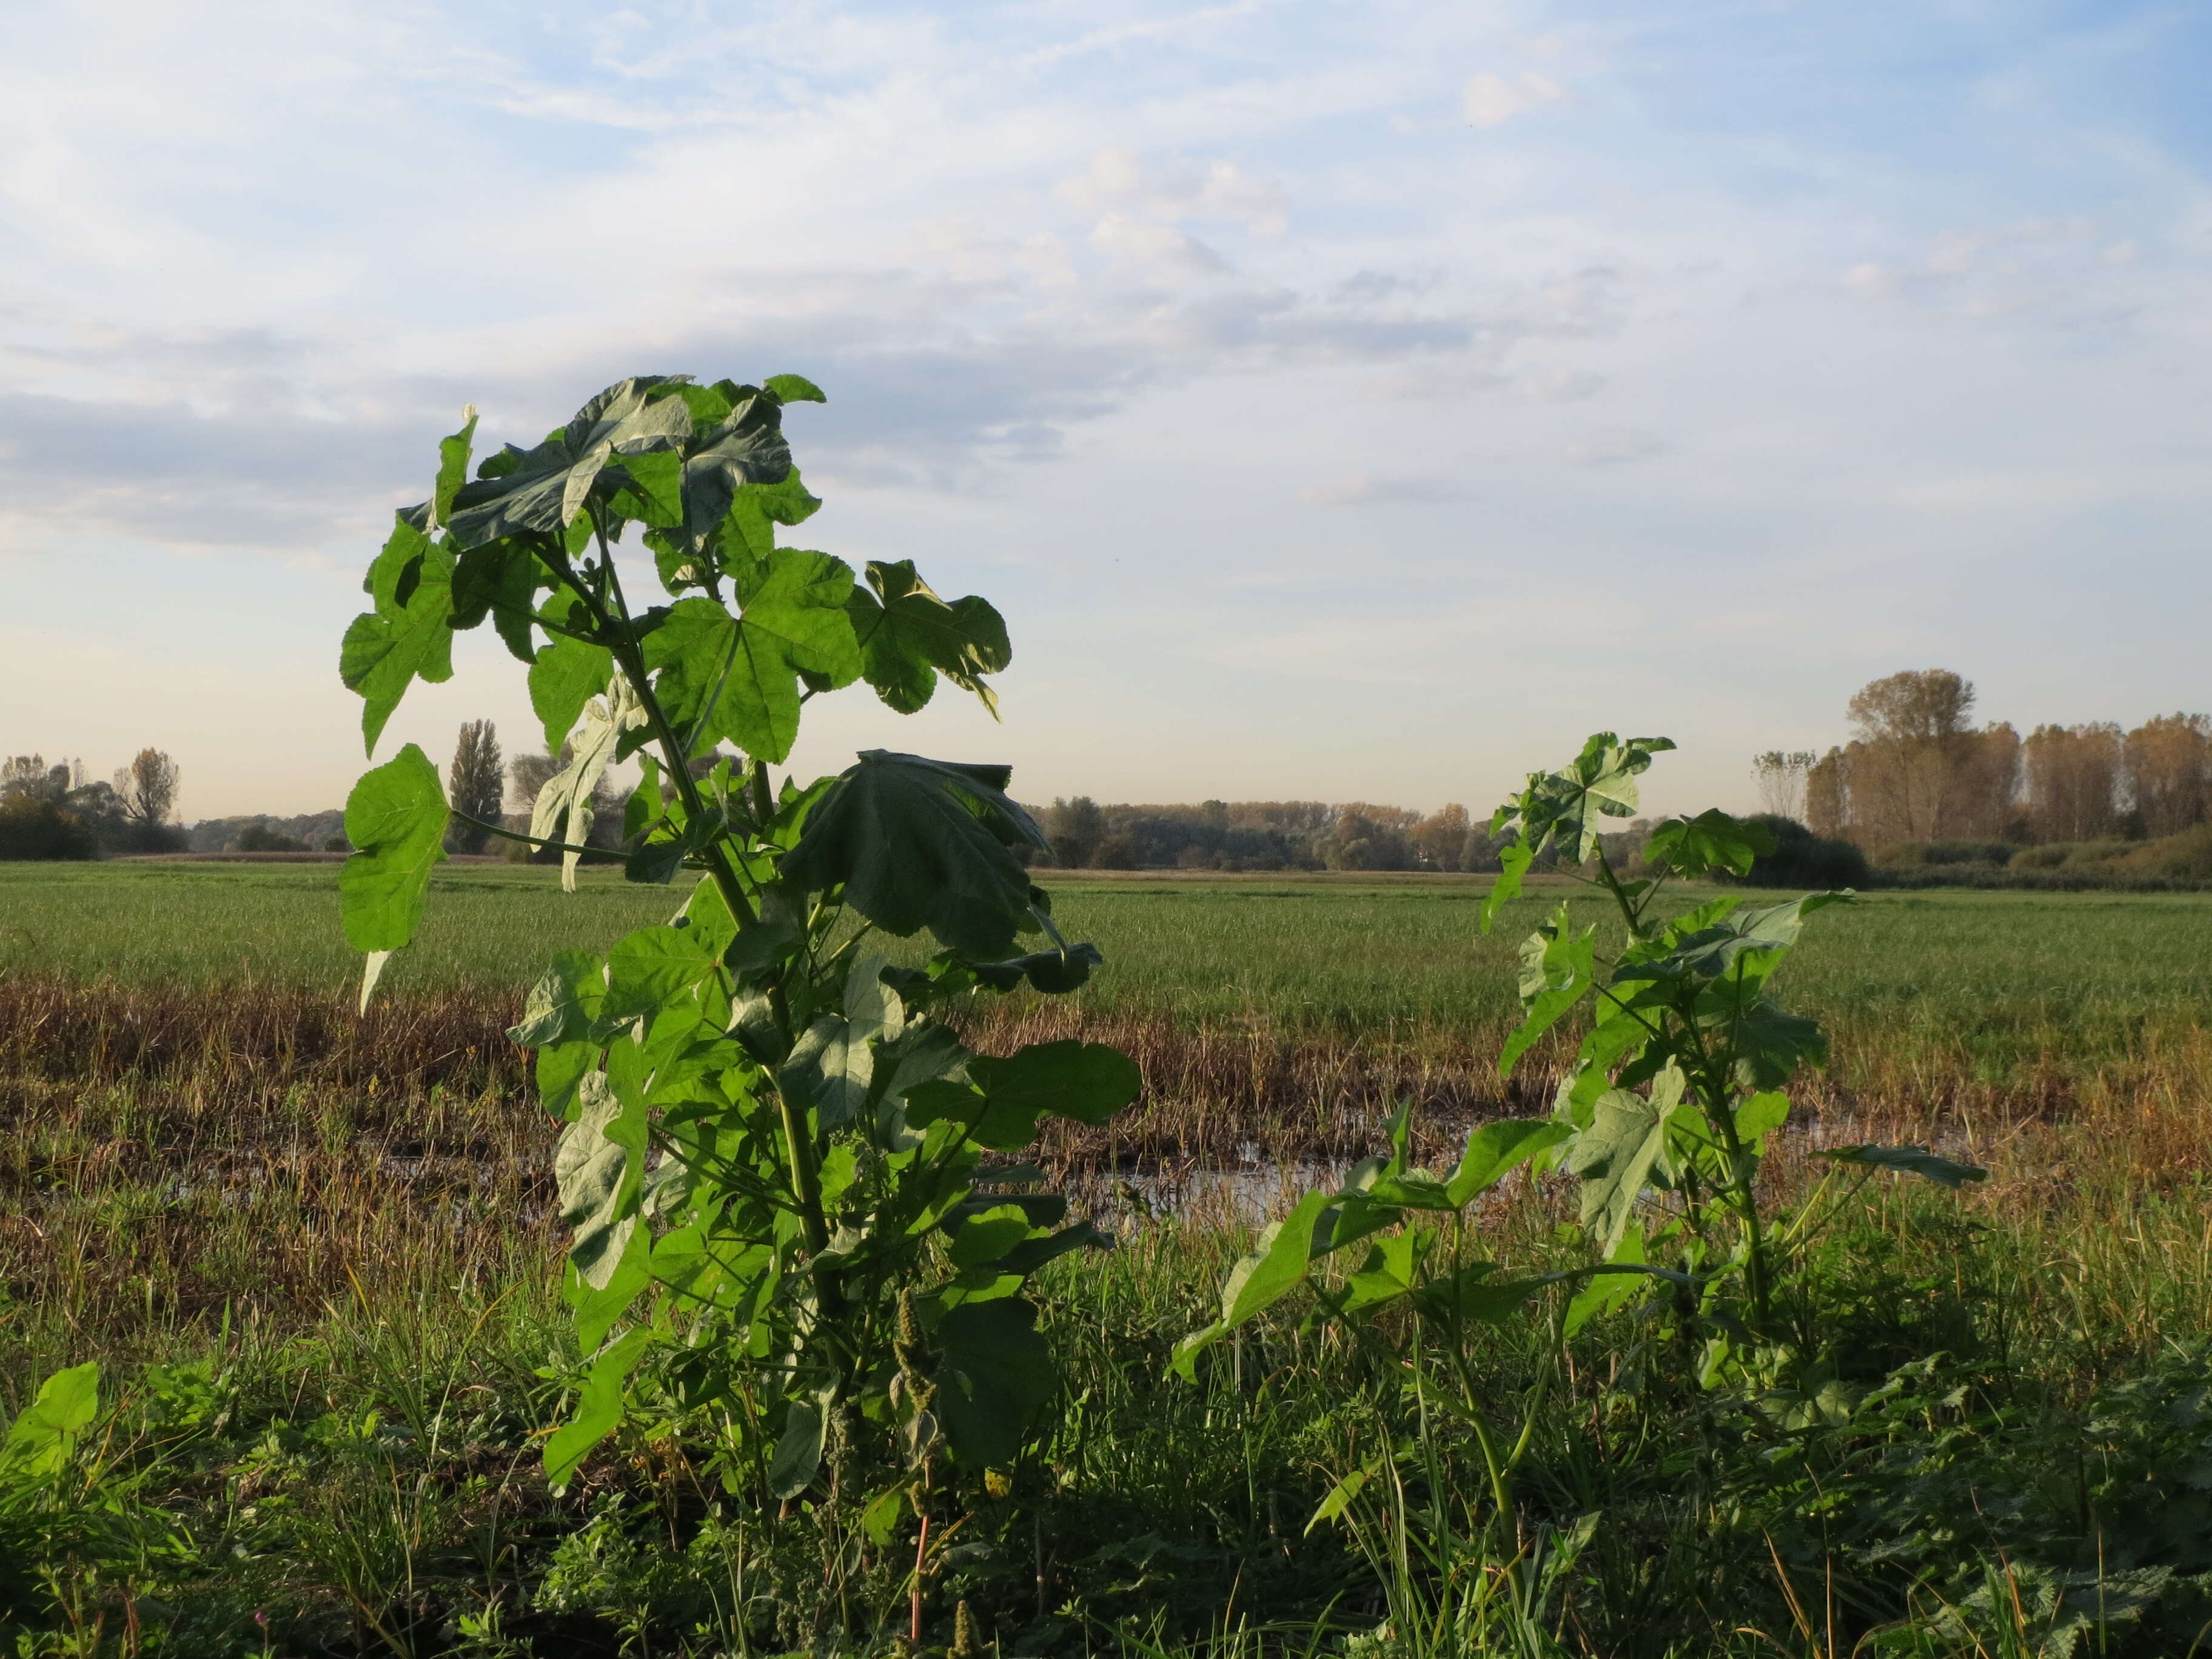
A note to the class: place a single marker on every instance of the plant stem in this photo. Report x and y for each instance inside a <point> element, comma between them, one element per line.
<point>622,641</point>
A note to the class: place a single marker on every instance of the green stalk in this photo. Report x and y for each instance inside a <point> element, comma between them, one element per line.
<point>799,1141</point>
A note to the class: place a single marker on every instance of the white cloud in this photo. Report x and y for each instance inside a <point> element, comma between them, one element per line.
<point>1170,192</point>
<point>1112,314</point>
<point>1615,446</point>
<point>1364,489</point>
<point>1167,251</point>
<point>1492,101</point>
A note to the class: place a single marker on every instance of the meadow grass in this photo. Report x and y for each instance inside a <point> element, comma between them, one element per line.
<point>1993,984</point>
<point>316,1257</point>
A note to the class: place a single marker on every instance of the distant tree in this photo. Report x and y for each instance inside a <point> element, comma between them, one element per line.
<point>1115,852</point>
<point>1441,838</point>
<point>1367,837</point>
<point>1781,775</point>
<point>2169,773</point>
<point>1913,730</point>
<point>29,775</point>
<point>2073,775</point>
<point>263,838</point>
<point>1828,794</point>
<point>476,784</point>
<point>1075,827</point>
<point>1479,852</point>
<point>146,788</point>
<point>37,819</point>
<point>32,827</point>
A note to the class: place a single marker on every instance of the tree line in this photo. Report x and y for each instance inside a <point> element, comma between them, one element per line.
<point>1917,773</point>
<point>1263,834</point>
<point>1918,769</point>
<point>60,811</point>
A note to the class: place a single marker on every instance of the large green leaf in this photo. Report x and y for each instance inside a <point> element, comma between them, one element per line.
<point>1760,933</point>
<point>1909,1160</point>
<point>1712,840</point>
<point>908,635</point>
<point>567,674</point>
<point>599,1409</point>
<point>1564,808</point>
<point>501,579</point>
<point>994,1375</point>
<point>1496,1150</point>
<point>747,535</point>
<point>1276,1266</point>
<point>1614,1156</point>
<point>1605,1293</point>
<point>651,967</point>
<point>544,489</point>
<point>1558,970</point>
<point>798,1456</point>
<point>745,447</point>
<point>737,677</point>
<point>1087,1081</point>
<point>39,1442</point>
<point>408,635</point>
<point>563,810</point>
<point>396,819</point>
<point>597,1170</point>
<point>920,843</point>
<point>832,1066</point>
<point>1003,1097</point>
<point>563,1003</point>
<point>795,389</point>
<point>452,469</point>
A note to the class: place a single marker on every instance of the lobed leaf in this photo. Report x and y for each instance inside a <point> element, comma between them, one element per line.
<point>598,1170</point>
<point>39,1442</point>
<point>598,1408</point>
<point>994,1375</point>
<point>1712,840</point>
<point>545,488</point>
<point>408,636</point>
<point>1496,1150</point>
<point>1909,1160</point>
<point>908,637</point>
<point>396,819</point>
<point>918,843</point>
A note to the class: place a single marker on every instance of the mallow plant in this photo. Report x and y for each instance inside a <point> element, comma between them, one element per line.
<point>790,1184</point>
<point>1662,1118</point>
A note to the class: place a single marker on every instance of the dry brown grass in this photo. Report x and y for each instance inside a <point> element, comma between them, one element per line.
<point>177,1152</point>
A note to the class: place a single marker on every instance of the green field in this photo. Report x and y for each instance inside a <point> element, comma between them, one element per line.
<point>317,1260</point>
<point>1993,981</point>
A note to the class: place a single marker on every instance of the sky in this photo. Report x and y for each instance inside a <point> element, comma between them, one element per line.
<point>1340,401</point>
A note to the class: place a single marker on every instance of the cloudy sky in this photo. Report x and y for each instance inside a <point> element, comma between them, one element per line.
<point>1340,400</point>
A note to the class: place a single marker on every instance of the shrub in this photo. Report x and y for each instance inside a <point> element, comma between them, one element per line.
<point>142,837</point>
<point>2183,857</point>
<point>31,826</point>
<point>1116,852</point>
<point>2089,853</point>
<point>1801,859</point>
<point>1913,854</point>
<point>260,838</point>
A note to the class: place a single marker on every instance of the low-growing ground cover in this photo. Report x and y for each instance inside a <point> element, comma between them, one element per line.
<point>314,1259</point>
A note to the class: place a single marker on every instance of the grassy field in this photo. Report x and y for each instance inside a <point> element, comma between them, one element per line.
<point>1996,983</point>
<point>314,1258</point>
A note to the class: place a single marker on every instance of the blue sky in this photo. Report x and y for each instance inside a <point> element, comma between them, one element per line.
<point>1343,401</point>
